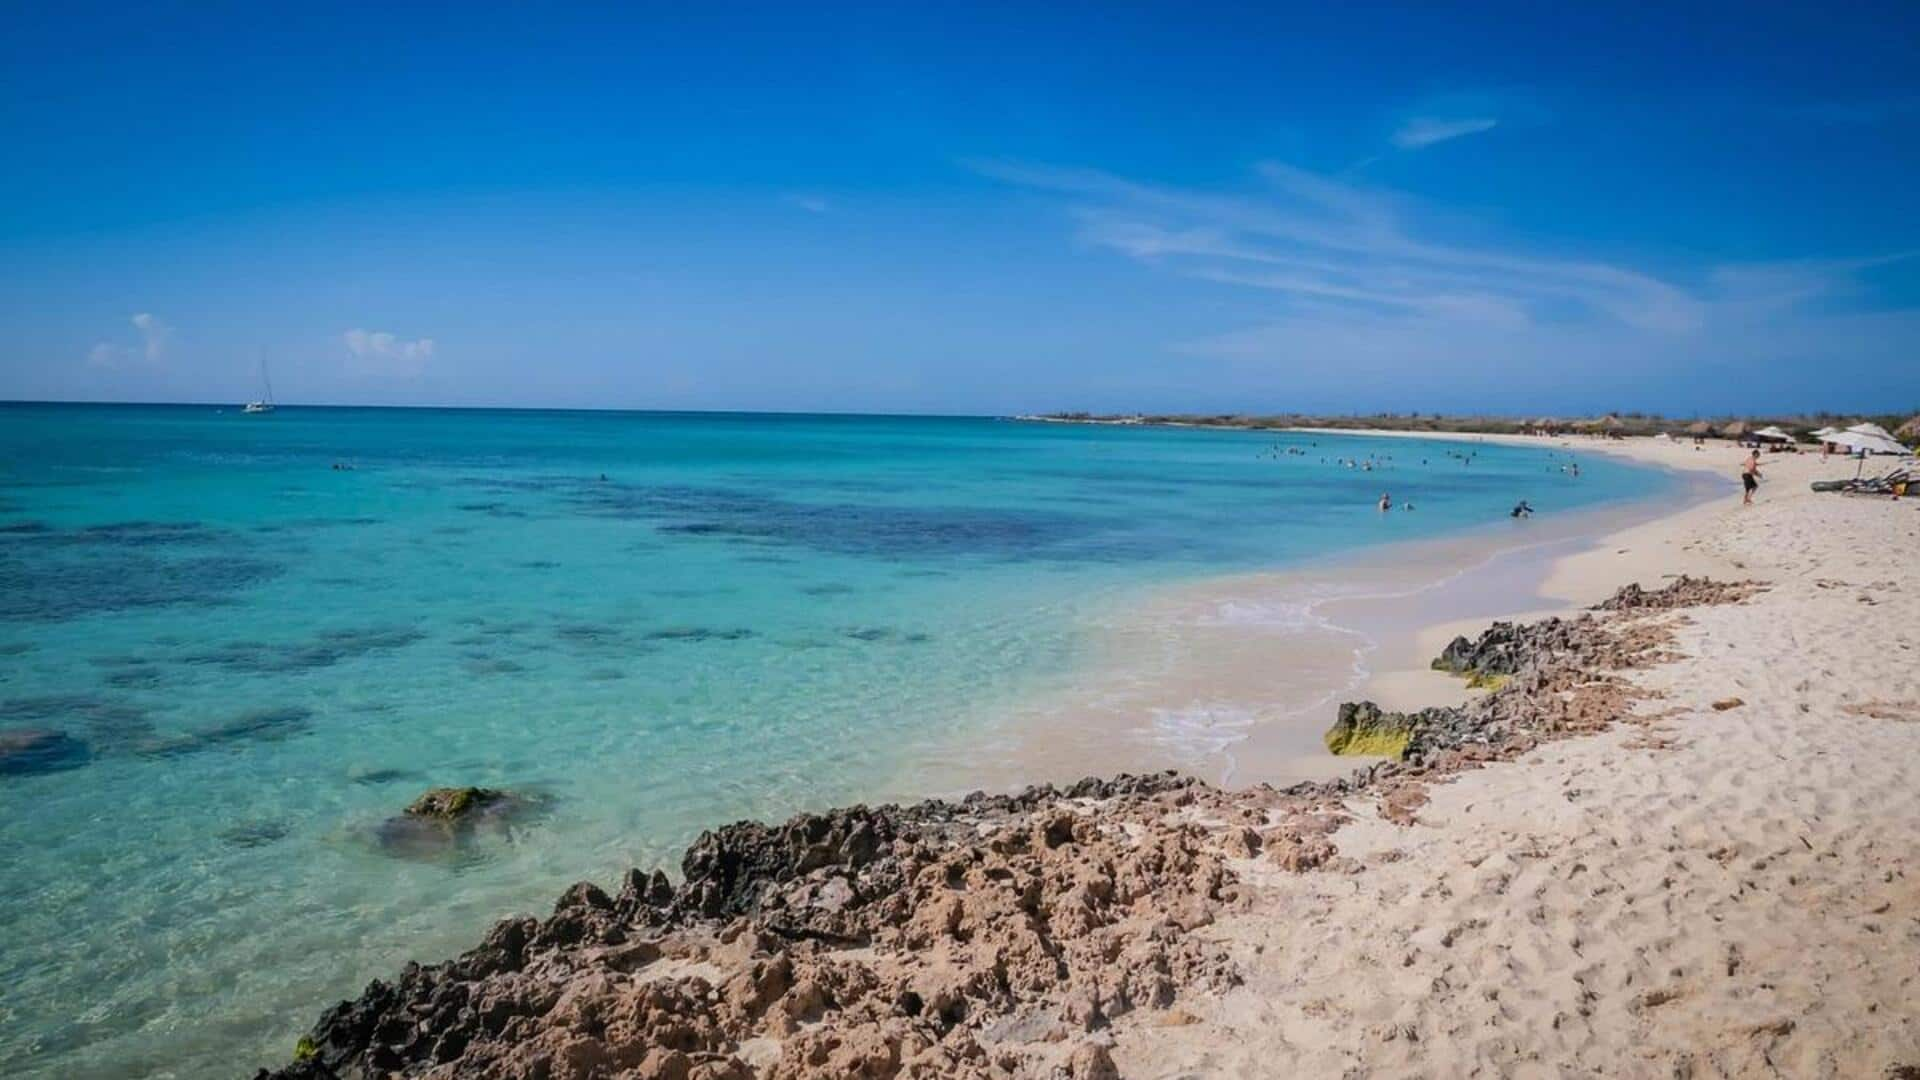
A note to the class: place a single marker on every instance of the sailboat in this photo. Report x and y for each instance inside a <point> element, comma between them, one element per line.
<point>265,404</point>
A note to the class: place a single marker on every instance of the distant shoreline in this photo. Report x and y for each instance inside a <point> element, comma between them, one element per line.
<point>1604,426</point>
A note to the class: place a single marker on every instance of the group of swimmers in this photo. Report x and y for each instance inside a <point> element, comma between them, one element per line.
<point>1521,509</point>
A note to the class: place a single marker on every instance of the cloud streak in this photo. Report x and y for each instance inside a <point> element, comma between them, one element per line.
<point>1310,237</point>
<point>379,353</point>
<point>1424,131</point>
<point>1357,278</point>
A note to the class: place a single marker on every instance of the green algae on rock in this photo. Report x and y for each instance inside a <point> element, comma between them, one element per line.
<point>452,803</point>
<point>1363,728</point>
<point>450,823</point>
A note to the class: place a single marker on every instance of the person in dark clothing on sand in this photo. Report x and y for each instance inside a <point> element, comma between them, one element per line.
<point>1750,478</point>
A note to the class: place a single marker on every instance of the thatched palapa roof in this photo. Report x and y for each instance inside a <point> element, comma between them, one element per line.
<point>1699,427</point>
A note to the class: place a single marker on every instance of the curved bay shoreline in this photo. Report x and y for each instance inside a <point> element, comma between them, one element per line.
<point>1183,675</point>
<point>1130,926</point>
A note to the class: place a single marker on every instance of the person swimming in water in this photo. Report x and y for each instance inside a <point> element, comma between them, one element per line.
<point>1386,501</point>
<point>1520,510</point>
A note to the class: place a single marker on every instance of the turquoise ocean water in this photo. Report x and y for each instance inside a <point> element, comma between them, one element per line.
<point>653,622</point>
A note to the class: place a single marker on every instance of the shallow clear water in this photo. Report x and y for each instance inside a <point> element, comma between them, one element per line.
<point>655,622</point>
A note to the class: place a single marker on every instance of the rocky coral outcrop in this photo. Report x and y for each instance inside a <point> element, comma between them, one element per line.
<point>1548,678</point>
<point>1504,648</point>
<point>1681,592</point>
<point>985,938</point>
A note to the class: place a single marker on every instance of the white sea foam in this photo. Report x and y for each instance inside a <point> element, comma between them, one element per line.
<point>1196,732</point>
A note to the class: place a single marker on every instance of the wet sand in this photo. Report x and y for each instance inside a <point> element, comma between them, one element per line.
<point>1235,679</point>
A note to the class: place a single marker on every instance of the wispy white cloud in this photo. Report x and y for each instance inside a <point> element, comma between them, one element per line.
<point>1305,235</point>
<point>1791,282</point>
<point>1358,275</point>
<point>377,352</point>
<point>812,204</point>
<point>1425,131</point>
<point>155,336</point>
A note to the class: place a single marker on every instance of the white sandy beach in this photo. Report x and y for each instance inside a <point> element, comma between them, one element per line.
<point>1720,892</point>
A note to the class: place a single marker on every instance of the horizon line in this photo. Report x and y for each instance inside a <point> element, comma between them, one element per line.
<point>1061,414</point>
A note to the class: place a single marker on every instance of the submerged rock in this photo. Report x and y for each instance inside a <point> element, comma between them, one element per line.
<point>258,726</point>
<point>40,750</point>
<point>445,822</point>
<point>252,834</point>
<point>452,803</point>
<point>380,776</point>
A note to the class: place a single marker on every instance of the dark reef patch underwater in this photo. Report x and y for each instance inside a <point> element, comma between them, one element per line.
<point>325,649</point>
<point>39,750</point>
<point>50,575</point>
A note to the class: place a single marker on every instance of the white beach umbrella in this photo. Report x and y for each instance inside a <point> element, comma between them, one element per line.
<point>1772,434</point>
<point>1867,442</point>
<point>1826,431</point>
<point>1874,430</point>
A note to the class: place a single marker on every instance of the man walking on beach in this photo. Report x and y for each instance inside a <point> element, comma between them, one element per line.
<point>1750,477</point>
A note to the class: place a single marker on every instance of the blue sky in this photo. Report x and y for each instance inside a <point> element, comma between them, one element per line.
<point>964,209</point>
